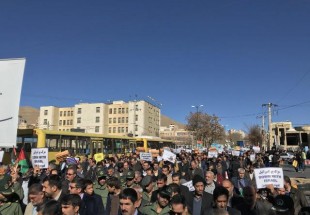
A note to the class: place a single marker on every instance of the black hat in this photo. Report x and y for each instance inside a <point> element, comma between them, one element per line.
<point>165,192</point>
<point>198,178</point>
<point>283,203</point>
<point>130,174</point>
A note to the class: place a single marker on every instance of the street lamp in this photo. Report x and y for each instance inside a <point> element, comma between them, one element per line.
<point>197,122</point>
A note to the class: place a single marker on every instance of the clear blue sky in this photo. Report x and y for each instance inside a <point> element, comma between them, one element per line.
<point>230,56</point>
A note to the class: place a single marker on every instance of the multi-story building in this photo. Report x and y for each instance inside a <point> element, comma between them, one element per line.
<point>134,118</point>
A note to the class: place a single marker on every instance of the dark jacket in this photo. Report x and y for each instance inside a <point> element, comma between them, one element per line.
<point>207,200</point>
<point>231,211</point>
<point>238,185</point>
<point>91,204</point>
<point>299,199</point>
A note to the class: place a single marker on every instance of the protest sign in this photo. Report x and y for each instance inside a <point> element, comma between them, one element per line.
<point>98,157</point>
<point>235,153</point>
<point>252,157</point>
<point>1,155</point>
<point>266,176</point>
<point>256,149</point>
<point>146,156</point>
<point>190,185</point>
<point>159,158</point>
<point>169,156</point>
<point>212,154</point>
<point>39,157</point>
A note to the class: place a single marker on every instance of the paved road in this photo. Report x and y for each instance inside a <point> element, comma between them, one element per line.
<point>303,177</point>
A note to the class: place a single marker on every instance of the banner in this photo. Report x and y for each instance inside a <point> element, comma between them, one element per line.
<point>169,156</point>
<point>190,185</point>
<point>271,175</point>
<point>11,73</point>
<point>146,156</point>
<point>39,157</point>
<point>212,154</point>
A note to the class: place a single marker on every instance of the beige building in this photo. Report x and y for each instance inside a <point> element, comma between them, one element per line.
<point>179,135</point>
<point>284,135</point>
<point>134,118</point>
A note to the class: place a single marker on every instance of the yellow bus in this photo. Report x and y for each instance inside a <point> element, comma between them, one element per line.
<point>154,145</point>
<point>78,143</point>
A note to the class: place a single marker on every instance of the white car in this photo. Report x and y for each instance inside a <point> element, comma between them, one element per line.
<point>287,156</point>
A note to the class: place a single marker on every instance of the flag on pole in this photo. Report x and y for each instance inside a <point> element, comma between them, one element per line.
<point>22,161</point>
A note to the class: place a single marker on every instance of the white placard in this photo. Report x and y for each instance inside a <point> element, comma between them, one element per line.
<point>11,73</point>
<point>39,157</point>
<point>256,149</point>
<point>266,176</point>
<point>212,154</point>
<point>159,158</point>
<point>146,156</point>
<point>235,153</point>
<point>190,185</point>
<point>1,155</point>
<point>169,156</point>
<point>252,157</point>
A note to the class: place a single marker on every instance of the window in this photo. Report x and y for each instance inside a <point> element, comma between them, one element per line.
<point>126,129</point>
<point>122,130</point>
<point>97,109</point>
<point>68,122</point>
<point>114,120</point>
<point>110,130</point>
<point>64,122</point>
<point>123,110</point>
<point>136,118</point>
<point>119,110</point>
<point>119,130</point>
<point>119,120</point>
<point>110,111</point>
<point>45,112</point>
<point>78,120</point>
<point>45,122</point>
<point>136,127</point>
<point>137,107</point>
<point>97,119</point>
<point>126,110</point>
<point>114,110</point>
<point>126,119</point>
<point>123,119</point>
<point>114,130</point>
<point>60,114</point>
<point>97,129</point>
<point>60,122</point>
<point>69,113</point>
<point>71,122</point>
<point>79,110</point>
<point>72,113</point>
<point>65,113</point>
<point>110,120</point>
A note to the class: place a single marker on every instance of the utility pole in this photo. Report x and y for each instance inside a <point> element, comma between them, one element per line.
<point>263,130</point>
<point>269,107</point>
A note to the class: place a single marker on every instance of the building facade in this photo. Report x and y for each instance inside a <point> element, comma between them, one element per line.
<point>133,118</point>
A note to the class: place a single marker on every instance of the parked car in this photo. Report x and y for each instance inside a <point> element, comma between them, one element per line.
<point>287,156</point>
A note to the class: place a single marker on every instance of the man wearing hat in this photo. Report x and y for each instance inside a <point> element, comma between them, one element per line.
<point>130,176</point>
<point>161,206</point>
<point>100,186</point>
<point>199,200</point>
<point>148,188</point>
<point>9,203</point>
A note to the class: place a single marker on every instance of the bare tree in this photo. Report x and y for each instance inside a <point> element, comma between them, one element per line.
<point>255,137</point>
<point>205,128</point>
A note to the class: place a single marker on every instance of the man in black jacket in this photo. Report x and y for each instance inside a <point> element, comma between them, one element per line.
<point>199,200</point>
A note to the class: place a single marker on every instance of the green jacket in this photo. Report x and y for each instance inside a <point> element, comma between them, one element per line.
<point>102,191</point>
<point>11,208</point>
<point>150,209</point>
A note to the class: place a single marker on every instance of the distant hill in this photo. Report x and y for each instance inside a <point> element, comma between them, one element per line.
<point>29,114</point>
<point>166,121</point>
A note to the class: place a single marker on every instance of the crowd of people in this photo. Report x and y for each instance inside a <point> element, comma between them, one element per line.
<point>194,184</point>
